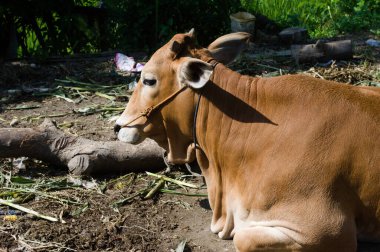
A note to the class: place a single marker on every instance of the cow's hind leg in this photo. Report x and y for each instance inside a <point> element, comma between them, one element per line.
<point>264,238</point>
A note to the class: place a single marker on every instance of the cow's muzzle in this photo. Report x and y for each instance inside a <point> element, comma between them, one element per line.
<point>128,134</point>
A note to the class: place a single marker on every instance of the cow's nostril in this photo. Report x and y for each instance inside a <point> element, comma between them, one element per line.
<point>116,128</point>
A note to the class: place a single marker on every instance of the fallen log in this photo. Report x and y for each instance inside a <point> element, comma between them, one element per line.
<point>322,52</point>
<point>78,154</point>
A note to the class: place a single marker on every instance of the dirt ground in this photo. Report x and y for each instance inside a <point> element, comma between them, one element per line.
<point>109,213</point>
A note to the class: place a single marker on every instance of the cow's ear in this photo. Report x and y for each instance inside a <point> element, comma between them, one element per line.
<point>226,48</point>
<point>194,73</point>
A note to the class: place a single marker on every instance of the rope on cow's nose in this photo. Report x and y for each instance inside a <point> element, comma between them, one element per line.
<point>147,111</point>
<point>144,113</point>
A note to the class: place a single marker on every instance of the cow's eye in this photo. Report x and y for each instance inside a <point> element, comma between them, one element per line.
<point>149,82</point>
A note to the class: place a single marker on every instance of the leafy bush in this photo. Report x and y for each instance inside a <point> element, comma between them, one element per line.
<point>358,15</point>
<point>46,27</point>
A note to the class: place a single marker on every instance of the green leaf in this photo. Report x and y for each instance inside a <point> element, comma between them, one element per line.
<point>22,180</point>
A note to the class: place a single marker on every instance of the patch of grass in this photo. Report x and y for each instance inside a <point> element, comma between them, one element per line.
<point>324,18</point>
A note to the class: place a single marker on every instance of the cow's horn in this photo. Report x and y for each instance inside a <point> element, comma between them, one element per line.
<point>191,33</point>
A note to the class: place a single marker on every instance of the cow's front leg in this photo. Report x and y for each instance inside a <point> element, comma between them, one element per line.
<point>264,238</point>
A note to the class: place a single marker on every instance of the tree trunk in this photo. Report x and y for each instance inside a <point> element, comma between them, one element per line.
<point>80,155</point>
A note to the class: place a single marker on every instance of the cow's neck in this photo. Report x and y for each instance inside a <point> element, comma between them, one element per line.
<point>226,111</point>
<point>228,100</point>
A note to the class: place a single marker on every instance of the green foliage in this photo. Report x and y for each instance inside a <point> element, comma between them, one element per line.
<point>88,3</point>
<point>359,15</point>
<point>323,18</point>
<point>46,27</point>
<point>277,10</point>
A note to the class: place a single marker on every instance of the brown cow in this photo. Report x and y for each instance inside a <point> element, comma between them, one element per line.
<point>290,162</point>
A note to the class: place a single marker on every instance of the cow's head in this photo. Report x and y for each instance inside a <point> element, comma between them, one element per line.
<point>177,64</point>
